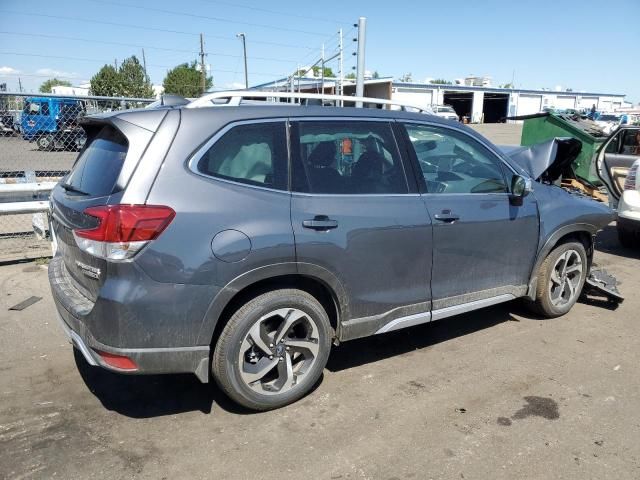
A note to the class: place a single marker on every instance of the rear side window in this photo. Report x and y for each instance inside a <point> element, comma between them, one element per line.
<point>97,169</point>
<point>339,157</point>
<point>255,154</point>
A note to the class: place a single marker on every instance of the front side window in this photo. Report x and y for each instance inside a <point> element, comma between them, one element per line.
<point>453,162</point>
<point>255,154</point>
<point>339,157</point>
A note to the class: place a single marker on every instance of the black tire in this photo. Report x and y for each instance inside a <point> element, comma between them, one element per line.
<point>45,143</point>
<point>543,304</point>
<point>626,237</point>
<point>226,363</point>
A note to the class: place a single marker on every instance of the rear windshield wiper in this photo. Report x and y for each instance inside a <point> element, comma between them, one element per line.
<point>71,188</point>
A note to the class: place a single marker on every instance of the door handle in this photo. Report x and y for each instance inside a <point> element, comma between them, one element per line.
<point>320,222</point>
<point>446,216</point>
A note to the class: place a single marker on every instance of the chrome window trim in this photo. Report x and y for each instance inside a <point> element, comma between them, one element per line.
<point>192,163</point>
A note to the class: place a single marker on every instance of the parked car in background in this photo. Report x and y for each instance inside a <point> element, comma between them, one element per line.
<point>608,122</point>
<point>445,111</point>
<point>7,127</point>
<point>51,122</point>
<point>618,160</point>
<point>240,242</point>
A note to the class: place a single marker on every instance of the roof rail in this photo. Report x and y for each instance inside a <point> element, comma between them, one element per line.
<point>234,98</point>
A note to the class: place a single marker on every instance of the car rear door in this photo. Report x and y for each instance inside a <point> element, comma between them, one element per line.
<point>483,245</point>
<point>356,219</point>
<point>614,159</point>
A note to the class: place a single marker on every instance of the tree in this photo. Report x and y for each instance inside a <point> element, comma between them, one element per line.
<point>375,74</point>
<point>133,79</point>
<point>441,81</point>
<point>350,76</point>
<point>407,77</point>
<point>185,80</point>
<point>106,82</point>
<point>47,85</point>
<point>507,85</point>
<point>328,73</point>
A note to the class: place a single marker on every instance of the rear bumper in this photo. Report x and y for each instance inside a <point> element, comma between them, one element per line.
<point>629,207</point>
<point>193,359</point>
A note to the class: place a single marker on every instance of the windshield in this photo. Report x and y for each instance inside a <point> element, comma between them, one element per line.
<point>445,110</point>
<point>609,118</point>
<point>36,108</point>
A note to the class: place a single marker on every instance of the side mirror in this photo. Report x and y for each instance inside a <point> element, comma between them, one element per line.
<point>520,188</point>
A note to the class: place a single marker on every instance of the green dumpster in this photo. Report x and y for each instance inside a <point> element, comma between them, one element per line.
<point>545,126</point>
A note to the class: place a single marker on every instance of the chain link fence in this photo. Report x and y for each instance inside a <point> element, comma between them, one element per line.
<point>40,138</point>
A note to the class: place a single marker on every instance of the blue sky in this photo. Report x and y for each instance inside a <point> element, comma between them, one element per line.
<point>586,45</point>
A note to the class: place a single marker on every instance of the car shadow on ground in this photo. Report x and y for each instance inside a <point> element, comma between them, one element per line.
<point>607,242</point>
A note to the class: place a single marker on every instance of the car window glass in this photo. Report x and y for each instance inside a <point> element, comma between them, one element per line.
<point>44,108</point>
<point>338,157</point>
<point>630,143</point>
<point>255,154</point>
<point>453,162</point>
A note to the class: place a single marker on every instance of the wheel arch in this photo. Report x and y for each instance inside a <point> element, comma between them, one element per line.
<point>582,232</point>
<point>315,280</point>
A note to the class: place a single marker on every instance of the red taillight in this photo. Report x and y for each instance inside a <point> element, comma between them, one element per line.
<point>122,230</point>
<point>127,223</point>
<point>118,361</point>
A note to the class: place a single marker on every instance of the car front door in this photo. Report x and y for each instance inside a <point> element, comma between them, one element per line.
<point>614,159</point>
<point>483,245</point>
<point>357,220</point>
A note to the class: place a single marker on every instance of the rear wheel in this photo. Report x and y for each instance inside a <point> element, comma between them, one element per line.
<point>45,142</point>
<point>560,280</point>
<point>273,349</point>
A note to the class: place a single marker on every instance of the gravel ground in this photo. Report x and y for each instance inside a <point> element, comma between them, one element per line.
<point>495,394</point>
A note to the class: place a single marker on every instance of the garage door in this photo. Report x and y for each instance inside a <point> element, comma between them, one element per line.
<point>565,101</point>
<point>588,102</point>
<point>419,98</point>
<point>528,104</point>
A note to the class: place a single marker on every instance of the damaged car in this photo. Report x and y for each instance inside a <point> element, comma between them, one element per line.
<point>618,161</point>
<point>240,243</point>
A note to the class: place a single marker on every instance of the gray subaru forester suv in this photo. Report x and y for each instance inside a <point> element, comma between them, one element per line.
<point>241,242</point>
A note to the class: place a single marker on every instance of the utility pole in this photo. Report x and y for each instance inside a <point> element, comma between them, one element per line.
<point>362,28</point>
<point>20,84</point>
<point>322,69</point>
<point>115,63</point>
<point>244,50</point>
<point>340,85</point>
<point>203,77</point>
<point>144,65</point>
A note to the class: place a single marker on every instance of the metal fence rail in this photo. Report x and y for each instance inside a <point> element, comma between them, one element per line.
<point>39,141</point>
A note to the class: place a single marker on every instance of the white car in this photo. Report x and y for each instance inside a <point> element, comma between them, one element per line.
<point>618,163</point>
<point>445,111</point>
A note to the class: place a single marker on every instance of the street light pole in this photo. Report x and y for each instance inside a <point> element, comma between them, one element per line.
<point>244,49</point>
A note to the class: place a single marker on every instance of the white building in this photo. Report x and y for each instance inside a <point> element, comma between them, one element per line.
<point>477,103</point>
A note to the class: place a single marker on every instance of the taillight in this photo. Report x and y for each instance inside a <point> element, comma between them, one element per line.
<point>630,181</point>
<point>122,230</point>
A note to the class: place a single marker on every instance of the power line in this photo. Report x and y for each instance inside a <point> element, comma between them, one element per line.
<point>288,14</point>
<point>106,42</point>
<point>206,17</point>
<point>151,29</point>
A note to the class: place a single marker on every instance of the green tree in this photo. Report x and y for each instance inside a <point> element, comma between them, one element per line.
<point>47,85</point>
<point>506,85</point>
<point>350,76</point>
<point>407,77</point>
<point>375,74</point>
<point>327,72</point>
<point>185,80</point>
<point>441,81</point>
<point>133,79</point>
<point>106,82</point>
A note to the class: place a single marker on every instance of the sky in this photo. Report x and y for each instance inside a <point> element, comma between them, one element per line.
<point>585,45</point>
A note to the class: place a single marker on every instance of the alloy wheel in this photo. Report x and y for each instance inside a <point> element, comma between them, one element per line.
<point>278,351</point>
<point>565,278</point>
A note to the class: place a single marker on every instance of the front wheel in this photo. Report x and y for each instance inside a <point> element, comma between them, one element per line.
<point>273,349</point>
<point>560,280</point>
